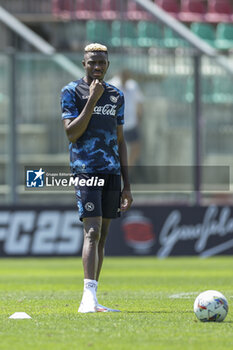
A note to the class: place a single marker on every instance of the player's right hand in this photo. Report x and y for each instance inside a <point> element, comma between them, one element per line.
<point>96,89</point>
<point>126,199</point>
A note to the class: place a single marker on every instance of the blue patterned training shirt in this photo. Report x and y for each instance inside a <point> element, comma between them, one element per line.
<point>96,151</point>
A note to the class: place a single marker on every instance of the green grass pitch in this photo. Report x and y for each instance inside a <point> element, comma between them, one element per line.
<point>155,296</point>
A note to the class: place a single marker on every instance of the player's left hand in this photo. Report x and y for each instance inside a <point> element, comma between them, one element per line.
<point>126,199</point>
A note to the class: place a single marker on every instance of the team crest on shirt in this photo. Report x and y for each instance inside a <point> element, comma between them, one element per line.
<point>113,99</point>
<point>89,206</point>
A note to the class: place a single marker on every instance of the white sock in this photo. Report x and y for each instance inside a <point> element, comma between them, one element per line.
<point>89,283</point>
<point>89,291</point>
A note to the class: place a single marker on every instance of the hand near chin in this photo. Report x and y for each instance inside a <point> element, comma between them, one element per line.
<point>96,89</point>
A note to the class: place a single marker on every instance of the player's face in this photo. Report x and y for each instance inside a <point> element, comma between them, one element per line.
<point>96,65</point>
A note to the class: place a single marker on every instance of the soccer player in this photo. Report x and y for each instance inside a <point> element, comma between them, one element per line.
<point>133,113</point>
<point>93,117</point>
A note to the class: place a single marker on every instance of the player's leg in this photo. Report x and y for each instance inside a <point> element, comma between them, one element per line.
<point>101,246</point>
<point>102,241</point>
<point>111,209</point>
<point>90,256</point>
<point>92,231</point>
<point>90,212</point>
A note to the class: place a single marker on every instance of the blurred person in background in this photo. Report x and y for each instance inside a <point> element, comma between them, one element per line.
<point>133,112</point>
<point>93,118</point>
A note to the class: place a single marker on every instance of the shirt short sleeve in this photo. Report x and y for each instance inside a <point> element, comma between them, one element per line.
<point>68,102</point>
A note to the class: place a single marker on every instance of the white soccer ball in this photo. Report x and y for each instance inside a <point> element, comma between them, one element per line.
<point>211,306</point>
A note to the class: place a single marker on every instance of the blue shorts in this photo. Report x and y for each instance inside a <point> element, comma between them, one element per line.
<point>98,195</point>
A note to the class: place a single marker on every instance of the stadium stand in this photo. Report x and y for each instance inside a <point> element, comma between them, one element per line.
<point>192,10</point>
<point>79,9</point>
<point>149,34</point>
<point>172,40</point>
<point>170,6</point>
<point>94,20</point>
<point>111,9</point>
<point>62,9</point>
<point>224,36</point>
<point>79,21</point>
<point>213,11</point>
<point>135,12</point>
<point>205,31</point>
<point>219,11</point>
<point>124,33</point>
<point>87,9</point>
<point>98,31</point>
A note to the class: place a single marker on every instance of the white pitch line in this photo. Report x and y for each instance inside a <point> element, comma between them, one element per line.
<point>183,295</point>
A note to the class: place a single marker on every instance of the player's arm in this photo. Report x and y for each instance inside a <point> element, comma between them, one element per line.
<point>75,127</point>
<point>126,197</point>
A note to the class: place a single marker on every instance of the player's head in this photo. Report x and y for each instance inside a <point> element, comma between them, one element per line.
<point>95,61</point>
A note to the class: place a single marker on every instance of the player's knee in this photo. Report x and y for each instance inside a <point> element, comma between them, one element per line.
<point>92,233</point>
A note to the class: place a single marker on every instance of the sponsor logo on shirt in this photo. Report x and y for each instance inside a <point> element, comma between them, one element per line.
<point>105,110</point>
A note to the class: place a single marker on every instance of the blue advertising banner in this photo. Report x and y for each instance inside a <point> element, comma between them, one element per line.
<point>144,230</point>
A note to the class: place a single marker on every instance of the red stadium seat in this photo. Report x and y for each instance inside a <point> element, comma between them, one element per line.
<point>113,9</point>
<point>192,10</point>
<point>62,8</point>
<point>220,11</point>
<point>87,9</point>
<point>170,6</point>
<point>81,9</point>
<point>136,12</point>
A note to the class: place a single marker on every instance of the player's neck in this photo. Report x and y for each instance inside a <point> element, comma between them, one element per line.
<point>87,80</point>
